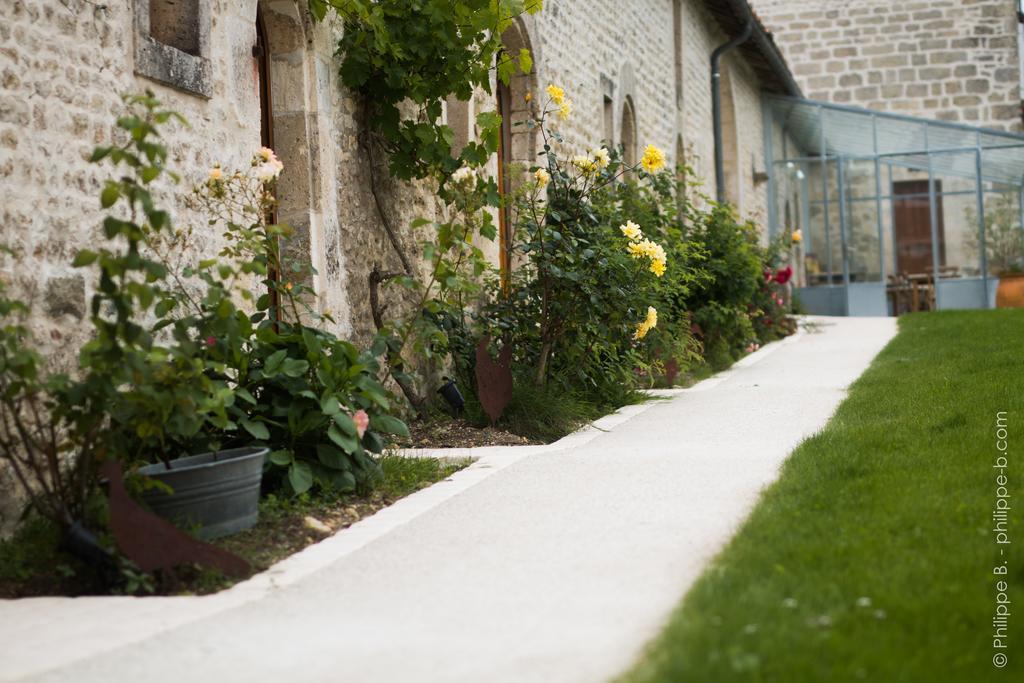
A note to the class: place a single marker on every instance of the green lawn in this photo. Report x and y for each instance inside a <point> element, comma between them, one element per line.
<point>872,557</point>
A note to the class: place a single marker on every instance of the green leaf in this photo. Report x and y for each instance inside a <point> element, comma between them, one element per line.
<point>344,420</point>
<point>84,258</point>
<point>244,394</point>
<point>330,405</point>
<point>282,457</point>
<point>293,367</point>
<point>346,442</point>
<point>257,429</point>
<point>389,425</point>
<point>525,61</point>
<point>300,476</point>
<point>273,363</point>
<point>109,195</point>
<point>372,442</point>
<point>332,457</point>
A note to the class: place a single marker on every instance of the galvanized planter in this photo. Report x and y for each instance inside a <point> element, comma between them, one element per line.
<point>218,491</point>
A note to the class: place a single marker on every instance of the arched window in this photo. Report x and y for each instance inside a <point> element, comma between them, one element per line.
<point>628,132</point>
<point>730,142</point>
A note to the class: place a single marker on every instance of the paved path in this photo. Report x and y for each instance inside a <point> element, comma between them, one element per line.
<point>545,564</point>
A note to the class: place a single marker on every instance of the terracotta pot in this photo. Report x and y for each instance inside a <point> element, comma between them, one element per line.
<point>1010,293</point>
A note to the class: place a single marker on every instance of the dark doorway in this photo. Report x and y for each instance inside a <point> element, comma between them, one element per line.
<point>261,51</point>
<point>913,226</point>
<point>504,101</point>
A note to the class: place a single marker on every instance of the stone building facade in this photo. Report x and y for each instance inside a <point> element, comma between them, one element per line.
<point>638,74</point>
<point>951,60</point>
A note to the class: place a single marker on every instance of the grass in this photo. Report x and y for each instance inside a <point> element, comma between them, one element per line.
<point>872,557</point>
<point>32,563</point>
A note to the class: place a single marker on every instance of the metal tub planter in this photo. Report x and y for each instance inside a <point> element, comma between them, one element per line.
<point>219,491</point>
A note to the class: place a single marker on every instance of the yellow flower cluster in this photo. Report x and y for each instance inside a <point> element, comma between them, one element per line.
<point>641,247</point>
<point>601,157</point>
<point>653,159</point>
<point>586,165</point>
<point>559,99</point>
<point>648,324</point>
<point>542,177</point>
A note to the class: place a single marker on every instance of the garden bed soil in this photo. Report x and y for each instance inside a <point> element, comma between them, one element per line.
<point>458,433</point>
<point>31,565</point>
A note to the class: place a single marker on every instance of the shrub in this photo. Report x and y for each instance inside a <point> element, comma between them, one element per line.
<point>579,300</point>
<point>734,265</point>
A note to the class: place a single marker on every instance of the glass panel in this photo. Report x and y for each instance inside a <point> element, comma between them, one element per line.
<point>1004,165</point>
<point>948,137</point>
<point>848,133</point>
<point>956,203</point>
<point>1004,238</point>
<point>859,176</point>
<point>862,240</point>
<point>898,135</point>
<point>790,187</point>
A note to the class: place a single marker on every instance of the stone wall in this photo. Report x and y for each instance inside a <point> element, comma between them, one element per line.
<point>952,60</point>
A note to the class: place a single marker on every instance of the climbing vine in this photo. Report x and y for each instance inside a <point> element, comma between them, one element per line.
<point>406,57</point>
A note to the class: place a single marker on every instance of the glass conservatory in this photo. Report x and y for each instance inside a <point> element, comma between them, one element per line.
<point>896,213</point>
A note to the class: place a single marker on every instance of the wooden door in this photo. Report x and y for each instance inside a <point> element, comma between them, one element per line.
<point>913,226</point>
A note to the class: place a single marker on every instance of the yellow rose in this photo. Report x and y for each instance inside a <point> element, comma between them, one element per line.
<point>555,93</point>
<point>648,324</point>
<point>542,177</point>
<point>586,165</point>
<point>565,110</point>
<point>216,174</point>
<point>632,231</point>
<point>601,156</point>
<point>658,267</point>
<point>653,159</point>
<point>798,236</point>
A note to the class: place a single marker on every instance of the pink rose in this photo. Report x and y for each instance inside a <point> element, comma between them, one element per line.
<point>362,421</point>
<point>211,340</point>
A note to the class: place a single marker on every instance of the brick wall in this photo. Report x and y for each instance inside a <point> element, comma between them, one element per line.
<point>952,60</point>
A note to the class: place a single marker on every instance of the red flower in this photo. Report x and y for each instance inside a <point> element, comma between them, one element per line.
<point>211,340</point>
<point>782,276</point>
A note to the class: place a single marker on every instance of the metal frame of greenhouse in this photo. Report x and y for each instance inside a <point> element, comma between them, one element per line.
<point>882,198</point>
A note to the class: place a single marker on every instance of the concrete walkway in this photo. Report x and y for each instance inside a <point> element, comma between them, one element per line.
<point>549,563</point>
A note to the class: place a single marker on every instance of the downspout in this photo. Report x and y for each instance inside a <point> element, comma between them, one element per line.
<point>716,101</point>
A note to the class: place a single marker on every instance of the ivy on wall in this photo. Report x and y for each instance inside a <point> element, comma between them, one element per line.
<point>397,53</point>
